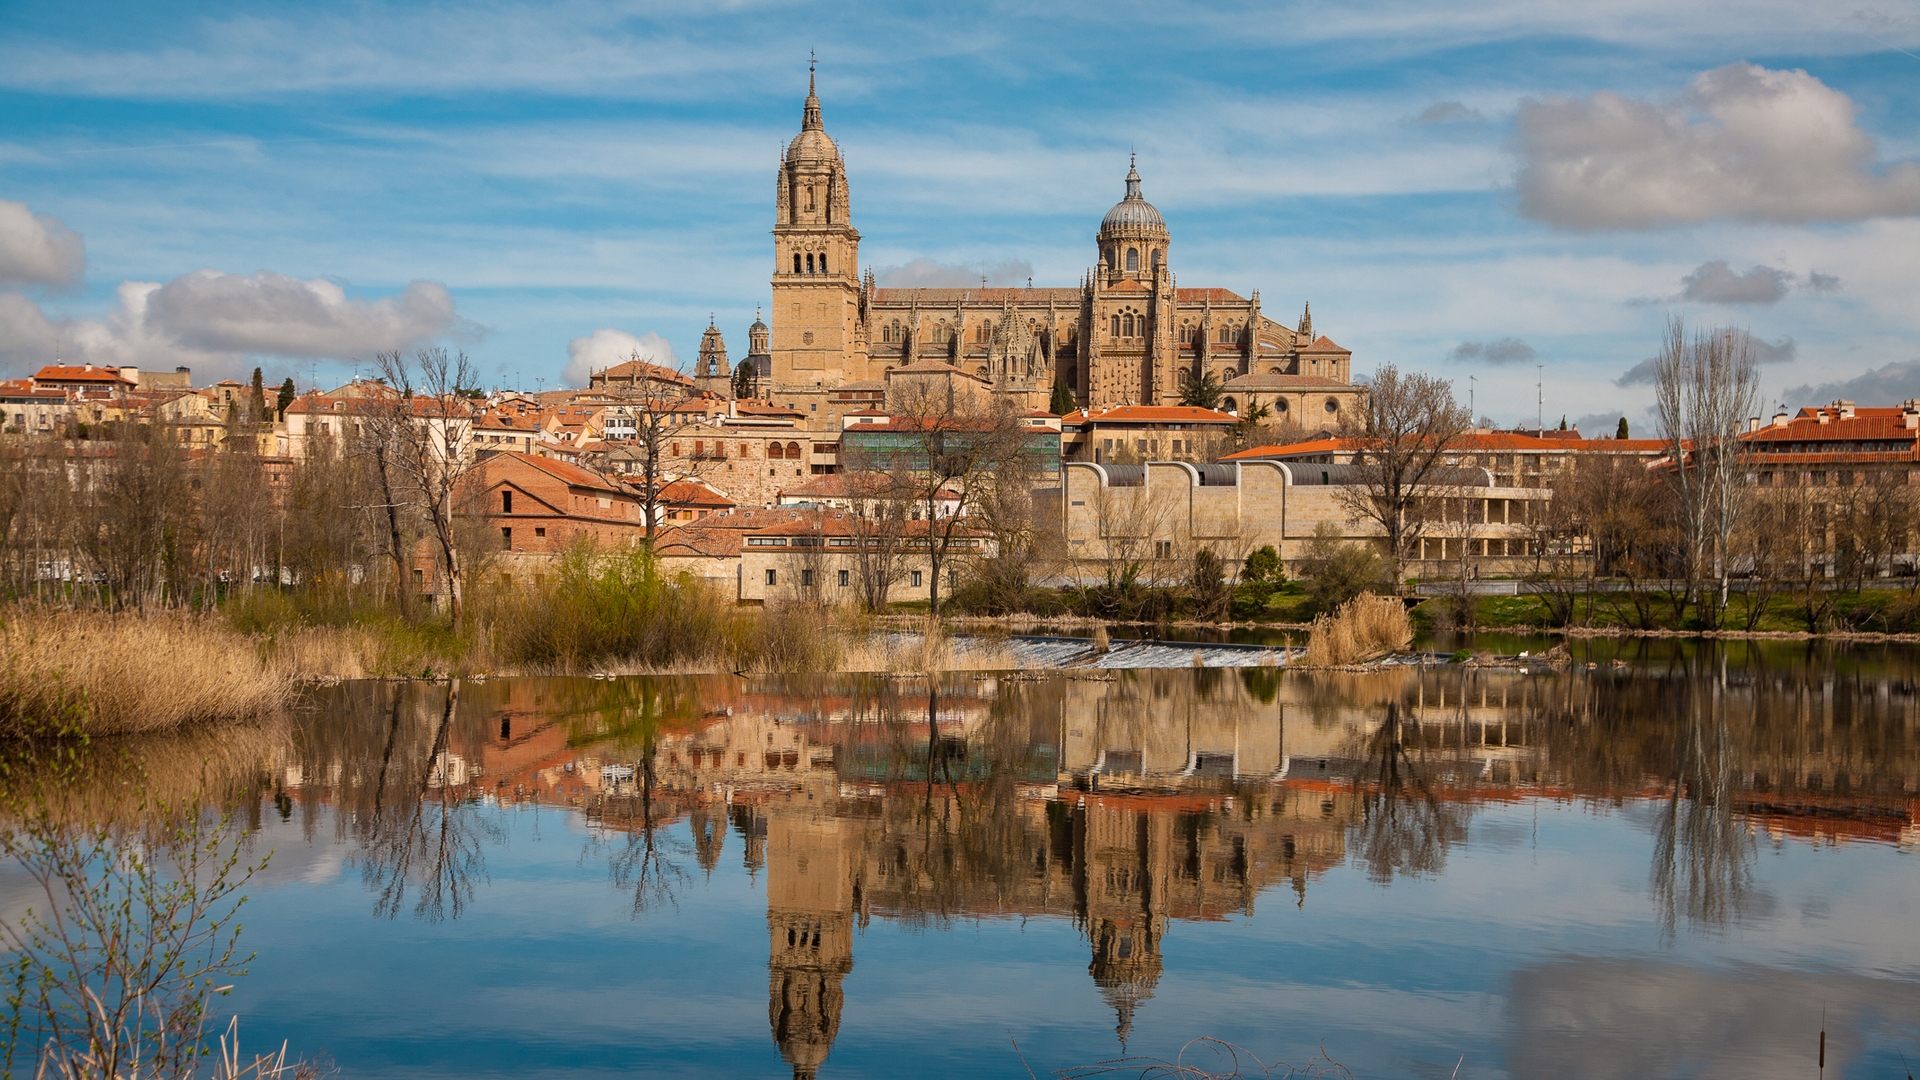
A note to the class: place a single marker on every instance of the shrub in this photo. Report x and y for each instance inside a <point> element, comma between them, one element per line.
<point>1337,572</point>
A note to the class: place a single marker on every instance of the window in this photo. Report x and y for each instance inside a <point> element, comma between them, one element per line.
<point>419,577</point>
<point>1333,405</point>
<point>1116,326</point>
<point>506,539</point>
<point>953,579</point>
<point>774,451</point>
<point>796,262</point>
<point>843,579</point>
<point>809,262</point>
<point>1126,326</point>
<point>1156,260</point>
<point>793,450</point>
<point>806,577</point>
<point>506,502</point>
<point>823,262</point>
<point>773,576</point>
<point>540,533</point>
<point>916,579</point>
<point>1133,258</point>
<point>1163,549</point>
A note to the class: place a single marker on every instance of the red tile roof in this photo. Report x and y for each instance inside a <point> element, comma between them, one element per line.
<point>80,373</point>
<point>566,473</point>
<point>1148,414</point>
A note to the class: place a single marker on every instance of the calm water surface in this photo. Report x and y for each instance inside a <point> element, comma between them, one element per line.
<point>1669,869</point>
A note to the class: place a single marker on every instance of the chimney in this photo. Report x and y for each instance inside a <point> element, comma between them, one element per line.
<point>1844,408</point>
<point>1780,418</point>
<point>1753,424</point>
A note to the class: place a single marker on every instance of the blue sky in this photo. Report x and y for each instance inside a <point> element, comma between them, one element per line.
<point>1465,190</point>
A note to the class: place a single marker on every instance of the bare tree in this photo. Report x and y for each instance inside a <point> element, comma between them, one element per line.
<point>1409,429</point>
<point>384,426</point>
<point>431,448</point>
<point>652,461</point>
<point>1705,389</point>
<point>948,451</point>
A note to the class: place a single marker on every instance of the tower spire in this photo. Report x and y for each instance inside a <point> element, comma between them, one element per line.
<point>810,116</point>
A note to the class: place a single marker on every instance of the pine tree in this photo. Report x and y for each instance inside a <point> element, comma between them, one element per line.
<point>1062,402</point>
<point>1622,433</point>
<point>1563,421</point>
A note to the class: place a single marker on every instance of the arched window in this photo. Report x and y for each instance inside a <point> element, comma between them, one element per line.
<point>983,373</point>
<point>823,262</point>
<point>809,262</point>
<point>1240,335</point>
<point>1126,325</point>
<point>1230,405</point>
<point>774,451</point>
<point>793,451</point>
<point>1185,374</point>
<point>1273,371</point>
<point>1156,260</point>
<point>1133,258</point>
<point>796,262</point>
<point>1225,335</point>
<point>985,332</point>
<point>1116,326</point>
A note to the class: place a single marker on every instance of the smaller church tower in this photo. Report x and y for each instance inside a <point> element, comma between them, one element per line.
<point>711,372</point>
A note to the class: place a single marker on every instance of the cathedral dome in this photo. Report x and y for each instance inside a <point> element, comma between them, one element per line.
<point>813,145</point>
<point>1134,213</point>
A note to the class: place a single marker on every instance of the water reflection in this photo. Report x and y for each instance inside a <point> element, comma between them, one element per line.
<point>1125,804</point>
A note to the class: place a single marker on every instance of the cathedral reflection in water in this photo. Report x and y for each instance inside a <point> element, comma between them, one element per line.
<point>1125,802</point>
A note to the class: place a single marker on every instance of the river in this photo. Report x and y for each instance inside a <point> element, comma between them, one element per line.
<point>1686,864</point>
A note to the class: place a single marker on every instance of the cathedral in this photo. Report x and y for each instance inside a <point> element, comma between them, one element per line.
<point>1127,334</point>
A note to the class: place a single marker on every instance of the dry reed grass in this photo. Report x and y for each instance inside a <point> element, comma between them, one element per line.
<point>1364,627</point>
<point>124,674</point>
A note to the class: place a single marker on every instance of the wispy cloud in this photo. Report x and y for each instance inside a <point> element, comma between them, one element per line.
<point>1889,385</point>
<point>926,273</point>
<point>1493,353</point>
<point>1645,372</point>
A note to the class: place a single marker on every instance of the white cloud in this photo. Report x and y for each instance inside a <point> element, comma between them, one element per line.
<point>1746,142</point>
<point>926,273</point>
<point>214,322</point>
<point>1717,283</point>
<point>586,355</point>
<point>1495,353</point>
<point>281,315</point>
<point>37,249</point>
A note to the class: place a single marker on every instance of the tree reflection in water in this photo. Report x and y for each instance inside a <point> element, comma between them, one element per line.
<point>1702,854</point>
<point>1401,823</point>
<point>424,830</point>
<point>629,816</point>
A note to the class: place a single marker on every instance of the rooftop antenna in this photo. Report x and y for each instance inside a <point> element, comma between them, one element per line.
<point>1471,381</point>
<point>1540,389</point>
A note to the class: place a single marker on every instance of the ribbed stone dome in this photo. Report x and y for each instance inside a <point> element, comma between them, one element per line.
<point>1134,212</point>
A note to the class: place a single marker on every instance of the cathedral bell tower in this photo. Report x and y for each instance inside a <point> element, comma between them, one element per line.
<point>816,258</point>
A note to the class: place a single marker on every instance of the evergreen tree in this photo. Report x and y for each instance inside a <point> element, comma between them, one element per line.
<point>257,405</point>
<point>286,396</point>
<point>1203,391</point>
<point>1622,433</point>
<point>1563,421</point>
<point>1062,402</point>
